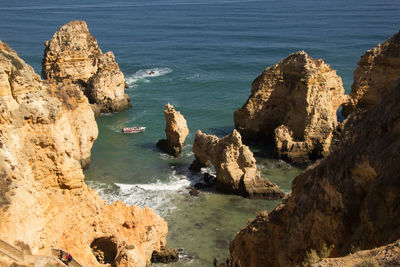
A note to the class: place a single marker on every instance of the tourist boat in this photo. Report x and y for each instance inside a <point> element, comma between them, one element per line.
<point>135,129</point>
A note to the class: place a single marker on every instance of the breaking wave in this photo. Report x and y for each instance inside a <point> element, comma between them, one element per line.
<point>145,75</point>
<point>160,196</point>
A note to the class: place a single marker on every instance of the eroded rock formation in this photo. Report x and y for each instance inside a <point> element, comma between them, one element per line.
<point>46,133</point>
<point>73,56</point>
<point>176,131</point>
<point>348,200</point>
<point>376,73</point>
<point>234,164</point>
<point>295,102</point>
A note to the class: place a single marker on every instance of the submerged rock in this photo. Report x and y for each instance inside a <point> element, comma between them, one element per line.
<point>376,73</point>
<point>73,56</point>
<point>46,133</point>
<point>235,166</point>
<point>176,131</point>
<point>348,200</point>
<point>295,103</point>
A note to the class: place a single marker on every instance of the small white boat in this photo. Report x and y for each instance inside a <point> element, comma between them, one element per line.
<point>135,129</point>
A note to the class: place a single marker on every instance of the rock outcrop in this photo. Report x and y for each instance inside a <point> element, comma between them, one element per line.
<point>235,166</point>
<point>176,131</point>
<point>165,255</point>
<point>376,73</point>
<point>386,256</point>
<point>348,200</point>
<point>46,133</point>
<point>295,102</point>
<point>73,56</point>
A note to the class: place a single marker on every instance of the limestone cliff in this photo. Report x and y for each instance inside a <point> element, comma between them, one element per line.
<point>295,102</point>
<point>176,131</point>
<point>73,56</point>
<point>376,73</point>
<point>348,200</point>
<point>46,133</point>
<point>235,166</point>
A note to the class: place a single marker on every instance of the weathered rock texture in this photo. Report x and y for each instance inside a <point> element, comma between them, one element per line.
<point>385,256</point>
<point>46,133</point>
<point>165,255</point>
<point>295,102</point>
<point>376,73</point>
<point>235,166</point>
<point>349,199</point>
<point>176,131</point>
<point>73,56</point>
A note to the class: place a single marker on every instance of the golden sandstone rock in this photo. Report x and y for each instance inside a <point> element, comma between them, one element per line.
<point>295,103</point>
<point>46,133</point>
<point>235,166</point>
<point>348,200</point>
<point>176,131</point>
<point>73,56</point>
<point>376,73</point>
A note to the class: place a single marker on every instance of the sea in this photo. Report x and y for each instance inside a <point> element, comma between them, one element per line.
<point>203,56</point>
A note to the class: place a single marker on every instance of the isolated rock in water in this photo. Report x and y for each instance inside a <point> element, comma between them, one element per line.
<point>235,166</point>
<point>73,56</point>
<point>47,131</point>
<point>165,255</point>
<point>176,130</point>
<point>376,73</point>
<point>348,200</point>
<point>295,102</point>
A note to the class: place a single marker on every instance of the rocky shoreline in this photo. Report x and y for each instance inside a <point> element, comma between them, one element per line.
<point>346,199</point>
<point>47,131</point>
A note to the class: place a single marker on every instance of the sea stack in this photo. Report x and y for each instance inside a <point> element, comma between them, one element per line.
<point>73,56</point>
<point>348,200</point>
<point>176,131</point>
<point>235,166</point>
<point>47,130</point>
<point>376,73</point>
<point>294,103</point>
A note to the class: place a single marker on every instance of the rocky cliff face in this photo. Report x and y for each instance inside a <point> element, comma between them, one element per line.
<point>176,131</point>
<point>348,200</point>
<point>73,56</point>
<point>46,133</point>
<point>376,73</point>
<point>295,102</point>
<point>235,166</point>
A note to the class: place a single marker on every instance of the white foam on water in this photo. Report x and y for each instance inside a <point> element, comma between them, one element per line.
<point>160,196</point>
<point>145,75</point>
<point>165,156</point>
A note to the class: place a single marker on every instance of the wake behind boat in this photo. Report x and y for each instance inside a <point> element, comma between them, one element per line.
<point>135,129</point>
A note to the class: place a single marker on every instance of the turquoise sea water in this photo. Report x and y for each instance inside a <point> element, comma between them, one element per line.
<point>205,54</point>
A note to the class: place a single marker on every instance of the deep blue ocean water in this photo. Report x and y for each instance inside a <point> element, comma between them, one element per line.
<point>205,54</point>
